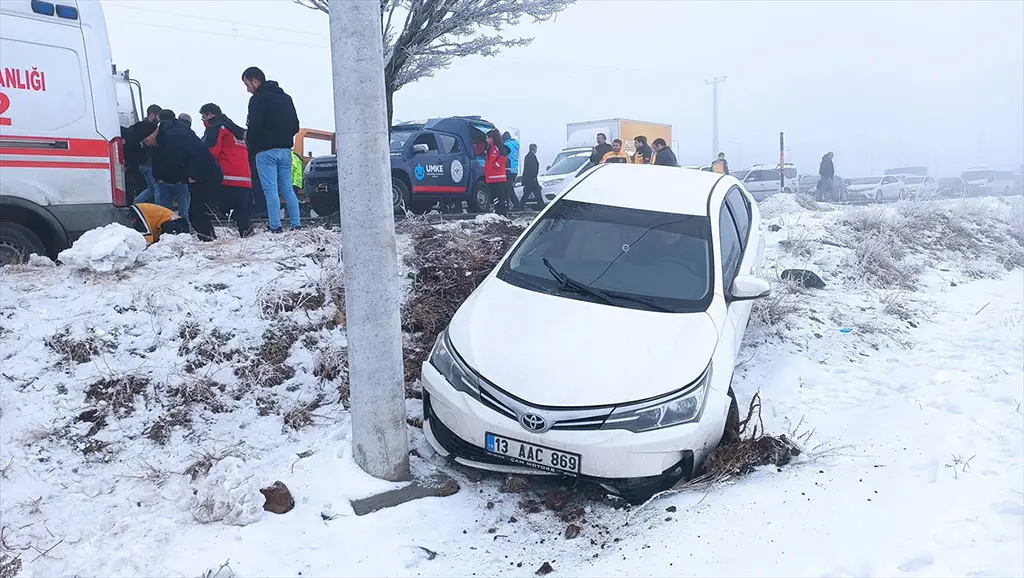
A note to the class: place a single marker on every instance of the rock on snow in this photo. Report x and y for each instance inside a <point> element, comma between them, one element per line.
<point>105,250</point>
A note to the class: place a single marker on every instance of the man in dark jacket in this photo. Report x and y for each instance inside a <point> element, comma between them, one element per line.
<point>720,165</point>
<point>601,149</point>
<point>272,125</point>
<point>138,157</point>
<point>663,154</point>
<point>826,171</point>
<point>643,153</point>
<point>179,157</point>
<point>531,186</point>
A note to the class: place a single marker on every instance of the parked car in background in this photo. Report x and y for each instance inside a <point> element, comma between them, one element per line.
<point>877,189</point>
<point>806,183</point>
<point>918,187</point>
<point>762,183</point>
<point>560,174</point>
<point>791,184</point>
<point>984,181</point>
<point>630,296</point>
<point>947,187</point>
<point>1018,185</point>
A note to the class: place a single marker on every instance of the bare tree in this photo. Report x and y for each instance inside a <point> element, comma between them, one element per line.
<point>436,32</point>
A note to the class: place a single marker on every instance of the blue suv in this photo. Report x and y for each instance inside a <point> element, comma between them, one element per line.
<point>437,161</point>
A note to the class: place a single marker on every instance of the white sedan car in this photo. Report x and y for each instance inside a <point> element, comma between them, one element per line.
<point>877,189</point>
<point>602,346</point>
<point>919,187</point>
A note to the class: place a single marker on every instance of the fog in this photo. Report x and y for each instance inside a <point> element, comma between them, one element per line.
<point>881,84</point>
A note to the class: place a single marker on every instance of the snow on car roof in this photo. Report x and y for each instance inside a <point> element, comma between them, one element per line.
<point>647,187</point>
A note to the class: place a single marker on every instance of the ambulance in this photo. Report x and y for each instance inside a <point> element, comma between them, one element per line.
<point>61,151</point>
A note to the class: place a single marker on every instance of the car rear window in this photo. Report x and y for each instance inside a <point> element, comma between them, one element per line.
<point>664,258</point>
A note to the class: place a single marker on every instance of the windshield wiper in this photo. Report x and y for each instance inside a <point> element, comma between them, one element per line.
<point>569,283</point>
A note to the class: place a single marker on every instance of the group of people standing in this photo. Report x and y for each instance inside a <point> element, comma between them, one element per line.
<point>212,176</point>
<point>658,153</point>
<point>501,169</point>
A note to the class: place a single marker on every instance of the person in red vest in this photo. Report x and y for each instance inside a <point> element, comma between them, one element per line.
<point>495,170</point>
<point>226,141</point>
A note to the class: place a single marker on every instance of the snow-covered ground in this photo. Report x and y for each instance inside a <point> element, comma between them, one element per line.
<point>142,409</point>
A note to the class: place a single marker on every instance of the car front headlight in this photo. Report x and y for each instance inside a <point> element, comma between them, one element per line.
<point>448,363</point>
<point>684,407</point>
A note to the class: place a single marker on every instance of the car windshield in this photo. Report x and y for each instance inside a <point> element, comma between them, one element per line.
<point>634,256</point>
<point>567,165</point>
<point>866,181</point>
<point>976,175</point>
<point>913,180</point>
<point>399,138</point>
<point>740,174</point>
<point>809,179</point>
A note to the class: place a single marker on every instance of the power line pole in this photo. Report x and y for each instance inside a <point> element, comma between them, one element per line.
<point>369,251</point>
<point>714,114</point>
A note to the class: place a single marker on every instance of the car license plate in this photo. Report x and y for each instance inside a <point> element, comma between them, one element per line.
<point>533,455</point>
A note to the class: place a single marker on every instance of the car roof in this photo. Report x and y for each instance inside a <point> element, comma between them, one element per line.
<point>647,187</point>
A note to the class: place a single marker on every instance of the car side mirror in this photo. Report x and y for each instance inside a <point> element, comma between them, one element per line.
<point>748,288</point>
<point>420,149</point>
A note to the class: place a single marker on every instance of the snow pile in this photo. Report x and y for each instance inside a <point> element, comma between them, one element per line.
<point>780,204</point>
<point>229,494</point>
<point>39,262</point>
<point>107,249</point>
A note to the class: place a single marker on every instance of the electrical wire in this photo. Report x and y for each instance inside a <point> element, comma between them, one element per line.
<point>220,20</point>
<point>239,36</point>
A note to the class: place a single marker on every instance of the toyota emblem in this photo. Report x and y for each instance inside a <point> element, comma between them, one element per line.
<point>533,422</point>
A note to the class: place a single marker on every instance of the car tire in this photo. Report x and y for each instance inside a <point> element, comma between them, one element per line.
<point>787,190</point>
<point>731,431</point>
<point>878,196</point>
<point>17,243</point>
<point>401,196</point>
<point>903,195</point>
<point>480,200</point>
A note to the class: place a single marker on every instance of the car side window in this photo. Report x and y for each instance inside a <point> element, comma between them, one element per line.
<point>426,139</point>
<point>449,144</point>
<point>732,250</point>
<point>740,214</point>
<point>888,180</point>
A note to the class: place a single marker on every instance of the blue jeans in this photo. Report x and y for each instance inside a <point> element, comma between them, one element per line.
<point>274,168</point>
<point>167,193</point>
<point>147,195</point>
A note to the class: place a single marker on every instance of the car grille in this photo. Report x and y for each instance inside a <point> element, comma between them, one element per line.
<point>561,419</point>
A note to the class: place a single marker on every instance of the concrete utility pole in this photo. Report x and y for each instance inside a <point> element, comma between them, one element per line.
<point>369,251</point>
<point>714,115</point>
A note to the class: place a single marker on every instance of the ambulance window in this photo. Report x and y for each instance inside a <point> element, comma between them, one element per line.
<point>67,12</point>
<point>44,8</point>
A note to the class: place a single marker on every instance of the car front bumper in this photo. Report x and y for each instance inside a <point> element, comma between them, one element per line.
<point>456,425</point>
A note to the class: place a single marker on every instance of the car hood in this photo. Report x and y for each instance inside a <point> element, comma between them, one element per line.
<point>555,351</point>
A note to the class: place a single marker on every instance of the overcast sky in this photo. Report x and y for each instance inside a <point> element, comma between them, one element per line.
<point>880,83</point>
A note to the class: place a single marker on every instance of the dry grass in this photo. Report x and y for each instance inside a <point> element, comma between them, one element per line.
<point>76,350</point>
<point>775,313</point>
<point>117,393</point>
<point>753,450</point>
<point>9,567</point>
<point>889,247</point>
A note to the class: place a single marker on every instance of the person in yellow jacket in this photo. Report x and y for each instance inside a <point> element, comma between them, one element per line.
<point>153,220</point>
<point>616,155</point>
<point>297,167</point>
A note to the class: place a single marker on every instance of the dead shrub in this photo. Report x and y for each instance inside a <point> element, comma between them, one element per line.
<point>160,431</point>
<point>203,391</point>
<point>331,364</point>
<point>76,350</point>
<point>117,394</point>
<point>808,202</point>
<point>9,567</point>
<point>302,415</point>
<point>743,456</point>
<point>448,264</point>
<point>774,313</point>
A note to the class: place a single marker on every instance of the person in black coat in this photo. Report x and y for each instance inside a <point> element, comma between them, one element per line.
<point>531,170</point>
<point>601,149</point>
<point>270,135</point>
<point>663,154</point>
<point>179,156</point>
<point>826,172</point>
<point>137,157</point>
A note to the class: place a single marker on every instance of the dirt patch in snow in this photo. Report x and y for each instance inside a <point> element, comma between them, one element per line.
<point>447,265</point>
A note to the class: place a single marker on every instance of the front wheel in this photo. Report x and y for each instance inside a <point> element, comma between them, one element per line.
<point>878,196</point>
<point>401,197</point>
<point>480,199</point>
<point>903,195</point>
<point>17,243</point>
<point>731,432</point>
